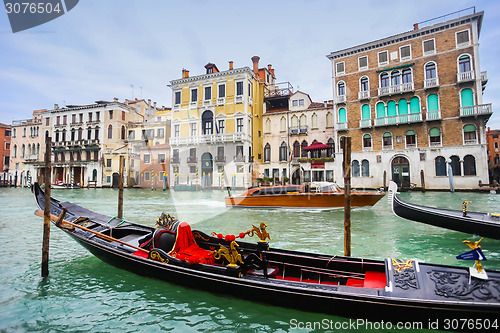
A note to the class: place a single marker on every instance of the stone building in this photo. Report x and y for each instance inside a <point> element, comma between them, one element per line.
<point>413,105</point>
<point>5,144</point>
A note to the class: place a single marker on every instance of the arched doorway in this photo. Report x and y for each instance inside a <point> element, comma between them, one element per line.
<point>207,166</point>
<point>116,179</point>
<point>296,180</point>
<point>207,119</point>
<point>94,175</point>
<point>401,172</point>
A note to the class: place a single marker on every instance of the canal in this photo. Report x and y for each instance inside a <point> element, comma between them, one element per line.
<point>84,294</point>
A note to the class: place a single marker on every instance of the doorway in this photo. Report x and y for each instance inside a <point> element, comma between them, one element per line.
<point>401,172</point>
<point>207,167</point>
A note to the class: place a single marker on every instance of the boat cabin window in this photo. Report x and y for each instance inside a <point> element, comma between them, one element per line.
<point>276,190</point>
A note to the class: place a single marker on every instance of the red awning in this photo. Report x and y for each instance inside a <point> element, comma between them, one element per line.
<point>317,146</point>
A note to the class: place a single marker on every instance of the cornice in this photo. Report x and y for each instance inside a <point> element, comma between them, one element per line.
<point>203,77</point>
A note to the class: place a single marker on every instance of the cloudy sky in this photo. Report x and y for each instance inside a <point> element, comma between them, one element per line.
<point>133,48</point>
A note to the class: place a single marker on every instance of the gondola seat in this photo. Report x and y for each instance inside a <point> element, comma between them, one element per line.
<point>186,249</point>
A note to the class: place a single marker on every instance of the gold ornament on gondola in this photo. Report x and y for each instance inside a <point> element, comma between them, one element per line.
<point>232,255</point>
<point>166,221</point>
<point>475,245</point>
<point>261,233</point>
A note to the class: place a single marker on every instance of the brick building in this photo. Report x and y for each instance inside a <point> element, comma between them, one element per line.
<point>5,137</point>
<point>493,140</point>
<point>412,104</point>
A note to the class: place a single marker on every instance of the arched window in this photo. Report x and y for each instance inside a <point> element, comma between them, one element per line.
<point>96,133</point>
<point>302,146</point>
<point>365,112</point>
<point>303,121</point>
<point>267,152</point>
<point>283,151</point>
<point>395,78</point>
<point>341,88</point>
<point>435,137</point>
<point>469,165</point>
<point>341,142</point>
<point>430,71</point>
<point>355,168</point>
<point>23,149</point>
<point>365,168</point>
<point>207,119</point>
<point>440,166</point>
<point>123,132</point>
<point>342,115</point>
<point>381,110</point>
<point>294,121</point>
<point>497,159</point>
<point>403,106</point>
<point>64,135</point>
<point>268,126</point>
<point>464,64</point>
<point>329,119</point>
<point>455,165</point>
<point>411,138</point>
<point>314,120</point>
<point>364,84</point>
<point>14,152</point>
<point>432,103</point>
<point>387,140</point>
<point>470,134</point>
<point>384,80</point>
<point>73,131</point>
<point>407,76</point>
<point>110,132</point>
<point>330,152</point>
<point>391,109</point>
<point>38,149</point>
<point>296,149</point>
<point>466,98</point>
<point>282,124</point>
<point>367,141</point>
<point>80,133</point>
<point>414,105</point>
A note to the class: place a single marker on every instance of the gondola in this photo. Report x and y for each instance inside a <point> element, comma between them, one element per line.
<point>482,224</point>
<point>376,290</point>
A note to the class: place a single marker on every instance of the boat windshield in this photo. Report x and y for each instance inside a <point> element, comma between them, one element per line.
<point>324,187</point>
<point>277,190</point>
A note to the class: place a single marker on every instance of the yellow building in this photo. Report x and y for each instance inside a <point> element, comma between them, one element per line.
<point>216,129</point>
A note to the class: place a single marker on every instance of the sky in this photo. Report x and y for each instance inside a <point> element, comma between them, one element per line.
<point>133,48</point>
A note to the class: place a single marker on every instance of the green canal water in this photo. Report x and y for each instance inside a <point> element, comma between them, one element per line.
<point>84,294</point>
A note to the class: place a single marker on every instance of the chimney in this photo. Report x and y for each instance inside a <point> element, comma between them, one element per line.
<point>149,102</point>
<point>115,99</point>
<point>185,73</point>
<point>255,60</point>
<point>269,67</point>
<point>56,106</point>
<point>126,101</point>
<point>415,26</point>
<point>230,65</point>
<point>154,105</point>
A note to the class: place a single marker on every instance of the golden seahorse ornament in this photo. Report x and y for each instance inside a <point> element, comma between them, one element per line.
<point>233,256</point>
<point>261,233</point>
<point>475,245</point>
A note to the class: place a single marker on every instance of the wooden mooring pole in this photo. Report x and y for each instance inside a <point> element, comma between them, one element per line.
<point>46,212</point>
<point>120,189</point>
<point>347,196</point>
<point>422,180</point>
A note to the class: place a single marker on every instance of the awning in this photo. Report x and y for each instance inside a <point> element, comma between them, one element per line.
<point>397,67</point>
<point>317,146</point>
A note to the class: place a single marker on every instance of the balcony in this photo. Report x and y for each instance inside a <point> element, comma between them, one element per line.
<point>475,110</point>
<point>466,76</point>
<point>396,89</point>
<point>341,99</point>
<point>239,158</point>
<point>294,130</point>
<point>175,160</point>
<point>220,159</point>
<point>238,99</point>
<point>364,94</point>
<point>433,115</point>
<point>431,83</point>
<point>207,102</point>
<point>303,129</point>
<point>221,101</point>
<point>342,126</point>
<point>192,159</point>
<point>365,123</point>
<point>32,157</point>
<point>400,119</point>
<point>207,138</point>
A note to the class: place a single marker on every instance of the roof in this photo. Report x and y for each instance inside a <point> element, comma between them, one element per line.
<point>162,146</point>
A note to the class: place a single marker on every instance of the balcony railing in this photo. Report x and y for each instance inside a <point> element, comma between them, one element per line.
<point>342,126</point>
<point>365,123</point>
<point>431,83</point>
<point>207,138</point>
<point>364,94</point>
<point>475,110</point>
<point>433,115</point>
<point>400,119</point>
<point>239,158</point>
<point>32,157</point>
<point>192,159</point>
<point>396,89</point>
<point>175,160</point>
<point>341,99</point>
<point>294,129</point>
<point>466,76</point>
<point>220,159</point>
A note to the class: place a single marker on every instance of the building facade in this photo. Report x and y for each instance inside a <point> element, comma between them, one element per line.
<point>216,136</point>
<point>5,144</point>
<point>412,104</point>
<point>289,127</point>
<point>493,140</point>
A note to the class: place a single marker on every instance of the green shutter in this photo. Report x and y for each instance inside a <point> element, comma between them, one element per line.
<point>469,128</point>
<point>366,136</point>
<point>380,110</point>
<point>403,106</point>
<point>391,109</point>
<point>365,112</point>
<point>342,116</point>
<point>467,97</point>
<point>410,132</point>
<point>434,132</point>
<point>387,134</point>
<point>432,103</point>
<point>414,105</point>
